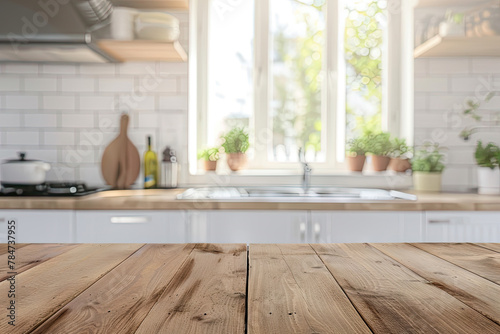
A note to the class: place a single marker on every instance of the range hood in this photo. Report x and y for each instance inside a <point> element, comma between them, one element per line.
<point>54,30</point>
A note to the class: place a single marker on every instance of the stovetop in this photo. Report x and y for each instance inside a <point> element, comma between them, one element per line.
<point>67,189</point>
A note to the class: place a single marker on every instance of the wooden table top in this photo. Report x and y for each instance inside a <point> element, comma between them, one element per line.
<point>275,288</point>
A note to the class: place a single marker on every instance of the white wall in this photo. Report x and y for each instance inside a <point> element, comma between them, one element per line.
<point>442,87</point>
<point>67,114</point>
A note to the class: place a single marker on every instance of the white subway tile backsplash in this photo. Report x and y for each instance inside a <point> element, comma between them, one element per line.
<point>431,84</point>
<point>40,120</point>
<point>166,85</point>
<point>136,102</point>
<point>469,84</point>
<point>59,69</point>
<point>58,102</point>
<point>62,173</point>
<point>42,154</point>
<point>21,102</point>
<point>97,102</point>
<point>169,69</point>
<point>174,102</point>
<point>8,120</point>
<point>125,85</point>
<point>35,84</point>
<point>20,68</point>
<point>485,65</point>
<point>446,102</point>
<point>60,138</point>
<point>77,120</point>
<point>22,138</point>
<point>449,66</point>
<point>97,69</point>
<point>10,83</point>
<point>138,69</point>
<point>78,85</point>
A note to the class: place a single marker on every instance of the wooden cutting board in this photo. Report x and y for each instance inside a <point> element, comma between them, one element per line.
<point>121,163</point>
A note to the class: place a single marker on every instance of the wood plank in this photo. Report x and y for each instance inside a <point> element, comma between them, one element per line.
<point>494,247</point>
<point>459,46</point>
<point>44,289</point>
<point>473,290</point>
<point>4,247</point>
<point>31,256</point>
<point>121,299</point>
<point>479,260</point>
<point>291,291</point>
<point>140,50</point>
<point>206,295</point>
<point>393,299</point>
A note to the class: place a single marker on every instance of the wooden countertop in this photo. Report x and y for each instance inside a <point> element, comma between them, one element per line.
<point>157,199</point>
<point>209,288</point>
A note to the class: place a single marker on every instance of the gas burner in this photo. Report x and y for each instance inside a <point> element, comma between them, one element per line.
<point>47,189</point>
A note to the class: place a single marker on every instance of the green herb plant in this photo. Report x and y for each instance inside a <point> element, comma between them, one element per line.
<point>488,155</point>
<point>209,154</point>
<point>356,146</point>
<point>400,149</point>
<point>428,159</point>
<point>378,143</point>
<point>236,141</point>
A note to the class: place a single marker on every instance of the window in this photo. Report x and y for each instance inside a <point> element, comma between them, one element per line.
<point>297,73</point>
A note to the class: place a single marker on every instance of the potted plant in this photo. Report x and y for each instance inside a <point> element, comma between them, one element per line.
<point>380,146</point>
<point>210,156</point>
<point>427,168</point>
<point>488,173</point>
<point>400,156</point>
<point>235,144</point>
<point>355,157</point>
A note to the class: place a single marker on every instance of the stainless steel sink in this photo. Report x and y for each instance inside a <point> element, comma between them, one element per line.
<point>322,194</point>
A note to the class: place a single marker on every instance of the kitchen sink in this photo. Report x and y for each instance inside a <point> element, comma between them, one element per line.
<point>323,194</point>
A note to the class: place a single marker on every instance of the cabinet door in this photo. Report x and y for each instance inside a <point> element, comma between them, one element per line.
<point>456,226</point>
<point>365,226</point>
<point>39,226</point>
<point>122,226</point>
<point>247,226</point>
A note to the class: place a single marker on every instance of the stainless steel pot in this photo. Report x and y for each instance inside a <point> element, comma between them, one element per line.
<point>23,171</point>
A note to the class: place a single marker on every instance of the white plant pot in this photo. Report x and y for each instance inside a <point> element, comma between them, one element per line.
<point>426,181</point>
<point>488,181</point>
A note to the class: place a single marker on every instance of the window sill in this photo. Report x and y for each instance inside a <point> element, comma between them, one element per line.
<point>367,179</point>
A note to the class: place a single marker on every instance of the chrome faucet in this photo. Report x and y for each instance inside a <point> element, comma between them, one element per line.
<point>306,176</point>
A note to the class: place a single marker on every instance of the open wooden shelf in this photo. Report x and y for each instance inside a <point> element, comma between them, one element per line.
<point>153,4</point>
<point>139,50</point>
<point>459,46</point>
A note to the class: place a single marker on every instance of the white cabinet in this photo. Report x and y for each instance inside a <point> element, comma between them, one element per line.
<point>365,226</point>
<point>247,226</point>
<point>39,226</point>
<point>123,226</point>
<point>462,226</point>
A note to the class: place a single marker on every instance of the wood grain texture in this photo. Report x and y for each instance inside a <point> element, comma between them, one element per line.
<point>32,255</point>
<point>4,247</point>
<point>481,261</point>
<point>121,299</point>
<point>291,291</point>
<point>206,295</point>
<point>143,50</point>
<point>393,299</point>
<point>473,290</point>
<point>44,289</point>
<point>494,247</point>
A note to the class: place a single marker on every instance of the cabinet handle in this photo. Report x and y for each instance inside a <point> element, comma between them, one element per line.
<point>130,220</point>
<point>317,232</point>
<point>439,221</point>
<point>302,228</point>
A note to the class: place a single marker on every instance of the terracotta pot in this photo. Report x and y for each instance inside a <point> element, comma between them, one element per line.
<point>380,162</point>
<point>426,181</point>
<point>210,165</point>
<point>236,161</point>
<point>399,165</point>
<point>356,164</point>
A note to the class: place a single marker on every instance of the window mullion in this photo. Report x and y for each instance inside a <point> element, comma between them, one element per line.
<point>262,130</point>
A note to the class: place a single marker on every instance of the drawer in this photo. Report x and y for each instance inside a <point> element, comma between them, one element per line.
<point>129,226</point>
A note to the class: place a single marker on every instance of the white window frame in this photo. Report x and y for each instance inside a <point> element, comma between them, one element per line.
<point>397,115</point>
